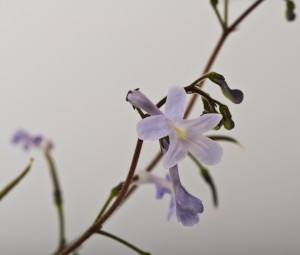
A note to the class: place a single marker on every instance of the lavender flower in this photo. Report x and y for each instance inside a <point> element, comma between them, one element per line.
<point>163,186</point>
<point>184,135</point>
<point>29,141</point>
<point>187,206</point>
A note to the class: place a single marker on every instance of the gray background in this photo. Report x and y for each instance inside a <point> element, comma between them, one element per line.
<point>65,69</point>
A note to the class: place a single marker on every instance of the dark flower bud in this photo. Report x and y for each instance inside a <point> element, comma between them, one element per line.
<point>290,10</point>
<point>234,95</point>
<point>214,3</point>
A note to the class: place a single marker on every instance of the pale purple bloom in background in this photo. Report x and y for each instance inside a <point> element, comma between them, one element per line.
<point>29,141</point>
<point>187,206</point>
<point>163,186</point>
<point>185,135</point>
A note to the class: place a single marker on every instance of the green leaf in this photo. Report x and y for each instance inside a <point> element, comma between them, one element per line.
<point>226,138</point>
<point>207,178</point>
<point>227,117</point>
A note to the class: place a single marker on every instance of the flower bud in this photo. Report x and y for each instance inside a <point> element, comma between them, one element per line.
<point>290,10</point>
<point>139,100</point>
<point>234,95</point>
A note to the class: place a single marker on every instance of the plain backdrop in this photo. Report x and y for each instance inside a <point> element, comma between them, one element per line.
<point>65,69</point>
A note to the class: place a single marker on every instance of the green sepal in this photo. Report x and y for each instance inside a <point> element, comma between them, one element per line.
<point>227,121</point>
<point>214,3</point>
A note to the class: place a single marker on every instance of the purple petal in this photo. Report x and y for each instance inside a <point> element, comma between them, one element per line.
<point>205,150</point>
<point>161,188</point>
<point>28,141</point>
<point>175,105</point>
<point>187,206</point>
<point>177,151</point>
<point>201,124</point>
<point>172,207</point>
<point>153,128</point>
<point>138,99</point>
<point>19,136</point>
<point>37,140</point>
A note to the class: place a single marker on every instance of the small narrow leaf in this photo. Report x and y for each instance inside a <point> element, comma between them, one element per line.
<point>207,178</point>
<point>226,138</point>
<point>227,117</point>
<point>15,181</point>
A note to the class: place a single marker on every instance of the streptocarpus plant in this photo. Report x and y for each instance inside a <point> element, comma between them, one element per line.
<point>178,136</point>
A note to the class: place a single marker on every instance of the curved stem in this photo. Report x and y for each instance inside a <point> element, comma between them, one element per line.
<point>120,240</point>
<point>15,181</point>
<point>98,223</point>
<point>218,47</point>
<point>225,13</point>
<point>58,200</point>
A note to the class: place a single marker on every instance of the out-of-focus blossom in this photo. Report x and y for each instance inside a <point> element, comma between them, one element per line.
<point>163,186</point>
<point>29,141</point>
<point>186,206</point>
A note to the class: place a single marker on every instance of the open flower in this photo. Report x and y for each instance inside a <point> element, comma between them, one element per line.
<point>29,141</point>
<point>187,206</point>
<point>185,135</point>
<point>163,186</point>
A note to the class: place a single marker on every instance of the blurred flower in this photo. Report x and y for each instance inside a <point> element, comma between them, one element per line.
<point>29,141</point>
<point>163,186</point>
<point>185,135</point>
<point>186,206</point>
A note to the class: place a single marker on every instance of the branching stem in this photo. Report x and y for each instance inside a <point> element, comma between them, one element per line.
<point>98,224</point>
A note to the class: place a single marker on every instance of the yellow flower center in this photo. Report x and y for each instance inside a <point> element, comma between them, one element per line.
<point>180,132</point>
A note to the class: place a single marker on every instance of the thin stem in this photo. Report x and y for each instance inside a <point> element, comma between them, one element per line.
<point>225,13</point>
<point>118,239</point>
<point>208,179</point>
<point>219,17</point>
<point>15,181</point>
<point>218,47</point>
<point>107,203</point>
<point>58,199</point>
<point>113,193</point>
<point>98,223</point>
<point>202,78</point>
<point>199,81</point>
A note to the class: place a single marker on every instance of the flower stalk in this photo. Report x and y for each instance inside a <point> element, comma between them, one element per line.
<point>126,243</point>
<point>58,199</point>
<point>15,181</point>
